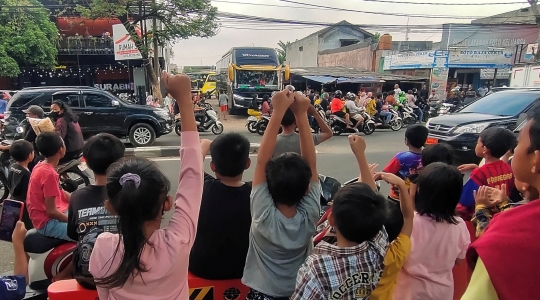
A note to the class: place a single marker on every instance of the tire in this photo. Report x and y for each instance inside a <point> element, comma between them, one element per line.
<point>261,128</point>
<point>396,125</point>
<point>251,127</point>
<point>142,135</point>
<point>217,129</point>
<point>178,129</point>
<point>337,130</point>
<point>73,179</point>
<point>369,128</point>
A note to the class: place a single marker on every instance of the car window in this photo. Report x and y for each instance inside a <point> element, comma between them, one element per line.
<point>71,99</point>
<point>502,104</point>
<point>22,98</point>
<point>211,78</point>
<point>97,100</point>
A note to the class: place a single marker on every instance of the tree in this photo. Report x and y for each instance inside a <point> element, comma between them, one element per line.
<point>534,8</point>
<point>282,51</point>
<point>376,37</point>
<point>179,19</point>
<point>28,37</point>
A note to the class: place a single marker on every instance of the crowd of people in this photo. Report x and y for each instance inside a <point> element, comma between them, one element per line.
<point>261,231</point>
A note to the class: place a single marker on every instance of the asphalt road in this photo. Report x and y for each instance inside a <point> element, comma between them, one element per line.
<point>334,159</point>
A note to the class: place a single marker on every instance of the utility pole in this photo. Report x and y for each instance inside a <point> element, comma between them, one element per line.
<point>154,38</point>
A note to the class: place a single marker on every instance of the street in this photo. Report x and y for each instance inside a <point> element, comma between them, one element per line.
<point>334,159</point>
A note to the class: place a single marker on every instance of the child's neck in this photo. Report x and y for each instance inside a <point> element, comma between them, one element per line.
<point>53,161</point>
<point>231,181</point>
<point>287,211</point>
<point>415,150</point>
<point>100,180</point>
<point>343,242</point>
<point>23,164</point>
<point>288,129</point>
<point>490,159</point>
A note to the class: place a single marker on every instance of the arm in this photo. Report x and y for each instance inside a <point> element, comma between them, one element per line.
<point>62,128</point>
<point>51,191</point>
<point>52,212</point>
<point>307,146</point>
<point>20,267</point>
<point>205,148</point>
<point>358,146</point>
<point>326,131</point>
<point>282,101</point>
<point>405,201</point>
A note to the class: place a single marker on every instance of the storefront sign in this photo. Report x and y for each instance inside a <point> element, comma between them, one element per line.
<point>472,36</point>
<point>409,60</point>
<point>115,86</point>
<point>480,59</point>
<point>439,74</point>
<point>124,46</point>
<point>488,74</point>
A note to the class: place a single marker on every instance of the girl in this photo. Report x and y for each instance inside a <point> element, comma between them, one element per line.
<point>439,238</point>
<point>144,261</point>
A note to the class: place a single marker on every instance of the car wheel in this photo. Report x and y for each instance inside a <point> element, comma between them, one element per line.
<point>396,125</point>
<point>217,129</point>
<point>142,135</point>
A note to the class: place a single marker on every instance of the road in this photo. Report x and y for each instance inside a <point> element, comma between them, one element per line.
<point>334,159</point>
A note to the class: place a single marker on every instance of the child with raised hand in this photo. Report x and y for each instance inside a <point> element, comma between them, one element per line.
<point>284,206</point>
<point>351,268</point>
<point>144,261</point>
<point>439,238</point>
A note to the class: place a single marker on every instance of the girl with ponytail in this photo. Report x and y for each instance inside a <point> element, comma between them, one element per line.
<point>144,261</point>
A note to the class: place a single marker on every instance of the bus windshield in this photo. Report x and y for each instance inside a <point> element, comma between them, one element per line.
<point>247,79</point>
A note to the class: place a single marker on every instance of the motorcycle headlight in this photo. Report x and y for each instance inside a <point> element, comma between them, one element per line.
<point>472,128</point>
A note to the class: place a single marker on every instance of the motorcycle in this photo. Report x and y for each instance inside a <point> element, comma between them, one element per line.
<point>261,125</point>
<point>339,126</point>
<point>409,117</point>
<point>446,108</point>
<point>211,123</point>
<point>251,124</point>
<point>396,123</point>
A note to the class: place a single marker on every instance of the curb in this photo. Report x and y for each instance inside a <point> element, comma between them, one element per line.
<point>169,151</point>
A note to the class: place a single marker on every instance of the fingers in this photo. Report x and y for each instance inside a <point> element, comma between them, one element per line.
<point>373,167</point>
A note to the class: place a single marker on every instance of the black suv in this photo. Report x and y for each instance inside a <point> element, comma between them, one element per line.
<point>499,109</point>
<point>98,112</point>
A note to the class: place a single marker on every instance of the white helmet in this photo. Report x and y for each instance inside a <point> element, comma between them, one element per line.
<point>351,96</point>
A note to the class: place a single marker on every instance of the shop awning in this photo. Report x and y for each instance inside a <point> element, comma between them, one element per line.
<point>363,79</point>
<point>322,79</point>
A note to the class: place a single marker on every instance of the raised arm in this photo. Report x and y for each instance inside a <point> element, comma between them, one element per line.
<point>281,101</point>
<point>307,146</point>
<point>405,201</point>
<point>326,131</point>
<point>358,146</point>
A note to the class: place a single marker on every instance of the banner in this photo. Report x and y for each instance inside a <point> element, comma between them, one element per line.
<point>488,59</point>
<point>124,46</point>
<point>439,74</point>
<point>488,74</point>
<point>410,60</point>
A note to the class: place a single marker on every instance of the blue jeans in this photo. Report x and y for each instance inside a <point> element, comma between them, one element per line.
<point>55,229</point>
<point>386,115</point>
<point>419,113</point>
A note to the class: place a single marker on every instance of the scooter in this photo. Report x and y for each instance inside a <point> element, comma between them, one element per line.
<point>211,123</point>
<point>261,125</point>
<point>446,108</point>
<point>409,117</point>
<point>339,126</point>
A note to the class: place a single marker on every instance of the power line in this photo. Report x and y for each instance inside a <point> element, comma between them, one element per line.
<point>448,4</point>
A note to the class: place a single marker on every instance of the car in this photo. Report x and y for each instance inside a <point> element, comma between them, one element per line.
<point>461,130</point>
<point>98,111</point>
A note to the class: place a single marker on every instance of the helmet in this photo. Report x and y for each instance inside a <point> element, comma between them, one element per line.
<point>338,94</point>
<point>351,96</point>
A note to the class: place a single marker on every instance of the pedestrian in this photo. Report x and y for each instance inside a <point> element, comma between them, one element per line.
<point>168,101</point>
<point>223,104</point>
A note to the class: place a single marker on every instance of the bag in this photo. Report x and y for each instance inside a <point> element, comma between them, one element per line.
<point>41,125</point>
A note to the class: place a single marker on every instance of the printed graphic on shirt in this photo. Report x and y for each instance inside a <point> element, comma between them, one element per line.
<point>362,283</point>
<point>202,293</point>
<point>11,284</point>
<point>92,222</point>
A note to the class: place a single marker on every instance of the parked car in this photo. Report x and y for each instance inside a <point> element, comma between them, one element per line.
<point>98,111</point>
<point>461,130</point>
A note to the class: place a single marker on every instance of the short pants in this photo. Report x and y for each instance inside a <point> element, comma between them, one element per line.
<point>224,108</point>
<point>55,229</point>
<point>339,114</point>
<point>357,117</point>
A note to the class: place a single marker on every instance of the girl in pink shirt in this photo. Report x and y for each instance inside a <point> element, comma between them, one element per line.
<point>144,261</point>
<point>439,238</point>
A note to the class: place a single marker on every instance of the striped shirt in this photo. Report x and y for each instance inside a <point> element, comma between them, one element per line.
<point>332,272</point>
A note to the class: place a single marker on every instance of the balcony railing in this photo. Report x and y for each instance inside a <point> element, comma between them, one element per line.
<point>78,45</point>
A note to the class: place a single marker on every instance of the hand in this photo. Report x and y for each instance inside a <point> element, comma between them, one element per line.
<point>176,85</point>
<point>358,144</point>
<point>481,197</point>
<point>497,195</point>
<point>391,179</point>
<point>282,100</point>
<point>205,143</point>
<point>372,167</point>
<point>19,233</point>
<point>301,104</point>
<point>467,167</point>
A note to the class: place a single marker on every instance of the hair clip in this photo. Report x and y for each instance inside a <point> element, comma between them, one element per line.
<point>130,177</point>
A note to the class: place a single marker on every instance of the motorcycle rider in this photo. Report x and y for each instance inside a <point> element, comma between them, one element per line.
<point>337,106</point>
<point>200,114</point>
<point>67,126</point>
<point>411,102</point>
<point>433,98</point>
<point>382,109</point>
<point>454,99</point>
<point>324,101</point>
<point>354,110</point>
<point>470,95</point>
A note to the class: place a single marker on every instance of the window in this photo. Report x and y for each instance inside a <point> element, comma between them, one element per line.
<point>211,78</point>
<point>502,104</point>
<point>95,100</point>
<point>72,100</point>
<point>22,98</point>
<point>301,48</point>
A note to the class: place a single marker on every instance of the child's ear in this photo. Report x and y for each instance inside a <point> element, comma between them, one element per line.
<point>331,220</point>
<point>536,162</point>
<point>213,166</point>
<point>110,208</point>
<point>248,163</point>
<point>168,203</point>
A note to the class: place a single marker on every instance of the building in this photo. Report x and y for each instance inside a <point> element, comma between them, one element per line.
<point>305,52</point>
<point>520,16</point>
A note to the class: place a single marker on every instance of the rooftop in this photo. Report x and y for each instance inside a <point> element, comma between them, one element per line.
<point>352,73</point>
<point>520,16</point>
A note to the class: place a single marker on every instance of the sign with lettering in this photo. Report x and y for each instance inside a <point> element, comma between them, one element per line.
<point>409,60</point>
<point>472,36</point>
<point>480,59</point>
<point>124,46</point>
<point>115,86</point>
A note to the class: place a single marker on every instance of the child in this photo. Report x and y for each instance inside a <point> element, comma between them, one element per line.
<point>284,206</point>
<point>87,217</point>
<point>492,144</point>
<point>439,238</point>
<point>19,175</point>
<point>14,287</point>
<point>47,203</point>
<point>437,153</point>
<point>350,269</point>
<point>222,240</point>
<point>144,261</point>
<point>407,163</point>
<point>399,225</point>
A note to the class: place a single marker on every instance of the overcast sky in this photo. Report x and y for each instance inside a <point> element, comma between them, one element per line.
<point>197,51</point>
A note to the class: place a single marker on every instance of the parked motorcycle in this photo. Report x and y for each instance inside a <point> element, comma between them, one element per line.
<point>396,123</point>
<point>211,123</point>
<point>339,126</point>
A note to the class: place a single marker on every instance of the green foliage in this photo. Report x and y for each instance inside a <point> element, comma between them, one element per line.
<point>376,36</point>
<point>282,51</point>
<point>28,36</point>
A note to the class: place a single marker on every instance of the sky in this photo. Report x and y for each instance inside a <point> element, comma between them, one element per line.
<point>235,33</point>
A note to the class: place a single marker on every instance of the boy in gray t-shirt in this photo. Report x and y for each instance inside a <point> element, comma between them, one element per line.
<point>284,207</point>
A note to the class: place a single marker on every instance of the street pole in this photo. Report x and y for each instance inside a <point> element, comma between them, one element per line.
<point>154,37</point>
<point>495,78</point>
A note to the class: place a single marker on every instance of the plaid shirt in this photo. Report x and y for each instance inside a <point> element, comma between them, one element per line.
<point>332,272</point>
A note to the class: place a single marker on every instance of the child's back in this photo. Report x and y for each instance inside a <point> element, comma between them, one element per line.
<point>19,176</point>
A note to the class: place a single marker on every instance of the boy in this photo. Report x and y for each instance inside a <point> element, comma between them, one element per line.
<point>14,287</point>
<point>47,203</point>
<point>408,163</point>
<point>492,144</point>
<point>284,207</point>
<point>19,175</point>
<point>87,217</point>
<point>350,269</point>
<point>222,239</point>
<point>289,140</point>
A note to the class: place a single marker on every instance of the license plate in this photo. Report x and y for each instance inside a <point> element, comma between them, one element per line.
<point>431,141</point>
<point>83,166</point>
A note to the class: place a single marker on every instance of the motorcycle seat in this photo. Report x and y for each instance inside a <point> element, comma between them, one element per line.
<point>35,242</point>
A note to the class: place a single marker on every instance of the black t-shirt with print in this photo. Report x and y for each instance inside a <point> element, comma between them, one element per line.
<point>18,179</point>
<point>87,219</point>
